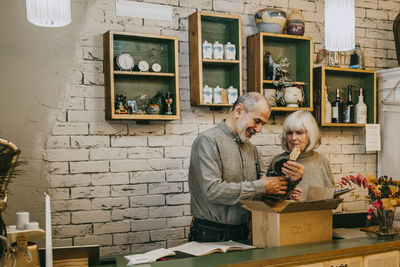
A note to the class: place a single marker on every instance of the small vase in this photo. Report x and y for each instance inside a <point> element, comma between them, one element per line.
<point>270,20</point>
<point>385,219</point>
<point>295,23</point>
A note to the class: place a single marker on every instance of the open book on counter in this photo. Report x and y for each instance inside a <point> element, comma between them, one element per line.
<point>193,248</point>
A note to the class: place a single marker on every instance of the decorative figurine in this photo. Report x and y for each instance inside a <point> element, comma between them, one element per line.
<point>142,102</point>
<point>168,101</point>
<point>120,104</point>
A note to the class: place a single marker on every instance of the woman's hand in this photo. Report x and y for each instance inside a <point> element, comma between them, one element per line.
<point>275,185</point>
<point>296,194</point>
<point>293,170</point>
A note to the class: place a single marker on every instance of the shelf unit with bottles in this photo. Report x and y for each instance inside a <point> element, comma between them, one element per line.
<point>297,49</point>
<point>144,87</point>
<point>339,78</point>
<point>212,27</point>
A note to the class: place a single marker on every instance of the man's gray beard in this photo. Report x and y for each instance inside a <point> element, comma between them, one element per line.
<point>243,137</point>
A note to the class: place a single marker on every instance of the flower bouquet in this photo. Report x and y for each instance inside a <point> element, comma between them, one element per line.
<point>383,194</point>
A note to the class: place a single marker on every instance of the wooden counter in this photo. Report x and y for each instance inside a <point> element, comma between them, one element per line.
<point>318,254</point>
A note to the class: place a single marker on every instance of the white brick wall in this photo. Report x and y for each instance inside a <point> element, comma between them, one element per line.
<point>124,185</point>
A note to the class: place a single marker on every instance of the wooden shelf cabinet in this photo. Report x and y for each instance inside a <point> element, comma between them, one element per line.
<point>339,78</point>
<point>159,49</point>
<point>297,49</point>
<point>211,27</point>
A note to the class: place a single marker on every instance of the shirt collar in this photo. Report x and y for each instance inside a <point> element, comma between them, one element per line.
<point>228,131</point>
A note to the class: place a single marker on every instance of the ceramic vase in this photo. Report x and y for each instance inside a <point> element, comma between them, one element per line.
<point>293,96</point>
<point>295,23</point>
<point>270,20</point>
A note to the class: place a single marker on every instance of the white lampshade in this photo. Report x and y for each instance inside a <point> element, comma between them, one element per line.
<point>48,13</point>
<point>339,25</point>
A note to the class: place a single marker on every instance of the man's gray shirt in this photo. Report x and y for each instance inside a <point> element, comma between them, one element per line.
<point>223,171</point>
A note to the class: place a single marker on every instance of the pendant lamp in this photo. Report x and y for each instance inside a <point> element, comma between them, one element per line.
<point>339,25</point>
<point>48,13</point>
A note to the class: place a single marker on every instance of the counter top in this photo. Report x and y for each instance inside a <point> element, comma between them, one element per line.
<point>283,256</point>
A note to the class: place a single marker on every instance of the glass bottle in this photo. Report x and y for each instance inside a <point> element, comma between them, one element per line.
<point>328,107</point>
<point>361,109</point>
<point>349,109</point>
<point>337,108</point>
<point>357,58</point>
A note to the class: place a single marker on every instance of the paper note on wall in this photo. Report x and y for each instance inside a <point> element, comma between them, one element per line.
<point>372,137</point>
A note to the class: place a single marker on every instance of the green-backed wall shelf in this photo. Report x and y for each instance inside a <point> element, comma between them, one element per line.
<point>152,48</point>
<point>213,27</point>
<point>339,78</point>
<point>297,49</point>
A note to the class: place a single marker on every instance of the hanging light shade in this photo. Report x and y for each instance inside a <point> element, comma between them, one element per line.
<point>48,13</point>
<point>339,25</point>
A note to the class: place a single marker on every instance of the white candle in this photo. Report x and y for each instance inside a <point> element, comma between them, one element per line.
<point>49,245</point>
<point>22,219</point>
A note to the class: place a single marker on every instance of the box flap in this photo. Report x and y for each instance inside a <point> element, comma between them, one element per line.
<point>291,205</point>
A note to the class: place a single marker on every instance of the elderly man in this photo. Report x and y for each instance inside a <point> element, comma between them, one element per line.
<point>224,167</point>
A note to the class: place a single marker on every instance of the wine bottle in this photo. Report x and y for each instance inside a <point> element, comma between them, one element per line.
<point>328,107</point>
<point>337,108</point>
<point>361,109</point>
<point>349,109</point>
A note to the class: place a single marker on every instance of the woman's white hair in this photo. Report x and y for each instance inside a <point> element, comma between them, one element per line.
<point>302,121</point>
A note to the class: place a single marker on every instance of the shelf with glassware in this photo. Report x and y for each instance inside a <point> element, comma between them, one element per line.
<point>269,54</point>
<point>215,42</point>
<point>344,88</point>
<point>141,76</point>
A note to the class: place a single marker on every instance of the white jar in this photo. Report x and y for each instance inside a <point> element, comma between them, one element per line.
<point>217,95</point>
<point>218,50</point>
<point>207,94</point>
<point>229,51</point>
<point>232,94</point>
<point>207,49</point>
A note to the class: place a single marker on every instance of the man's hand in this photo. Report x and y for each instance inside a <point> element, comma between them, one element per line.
<point>293,170</point>
<point>296,194</point>
<point>275,185</point>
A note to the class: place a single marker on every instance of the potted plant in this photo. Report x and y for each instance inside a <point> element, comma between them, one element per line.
<point>286,93</point>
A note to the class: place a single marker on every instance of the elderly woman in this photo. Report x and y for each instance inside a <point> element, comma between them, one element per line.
<point>301,130</point>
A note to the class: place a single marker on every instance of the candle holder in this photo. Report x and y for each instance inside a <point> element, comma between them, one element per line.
<point>168,101</point>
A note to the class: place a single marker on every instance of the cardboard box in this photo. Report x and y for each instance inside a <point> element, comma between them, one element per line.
<point>287,222</point>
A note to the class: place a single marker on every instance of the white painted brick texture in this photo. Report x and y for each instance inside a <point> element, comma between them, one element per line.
<point>124,185</point>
